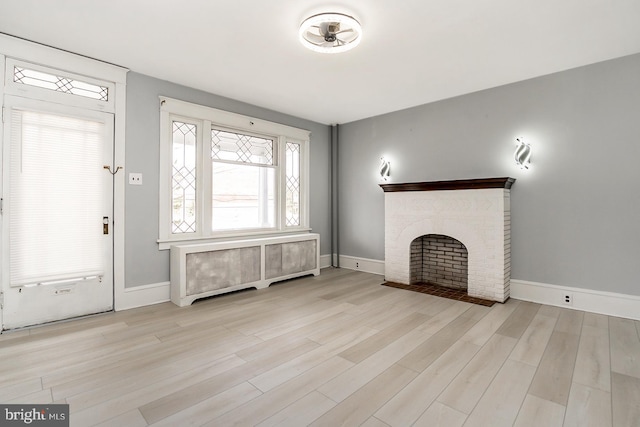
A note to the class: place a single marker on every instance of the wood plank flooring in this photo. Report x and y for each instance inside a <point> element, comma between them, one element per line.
<point>336,349</point>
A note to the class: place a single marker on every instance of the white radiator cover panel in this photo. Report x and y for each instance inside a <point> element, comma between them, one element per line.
<point>224,268</point>
<point>207,269</point>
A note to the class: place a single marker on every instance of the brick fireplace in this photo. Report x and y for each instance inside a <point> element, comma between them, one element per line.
<point>429,218</point>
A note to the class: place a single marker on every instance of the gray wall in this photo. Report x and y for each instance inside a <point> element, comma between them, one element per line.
<point>575,214</point>
<point>144,263</point>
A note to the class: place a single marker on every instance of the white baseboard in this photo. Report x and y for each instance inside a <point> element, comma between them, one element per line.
<point>325,261</point>
<point>601,302</point>
<point>139,296</point>
<point>155,293</point>
<point>362,264</point>
<point>609,303</point>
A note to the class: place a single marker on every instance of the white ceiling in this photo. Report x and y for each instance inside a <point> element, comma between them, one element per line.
<point>412,51</point>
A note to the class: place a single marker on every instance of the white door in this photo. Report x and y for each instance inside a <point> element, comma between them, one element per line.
<point>57,246</point>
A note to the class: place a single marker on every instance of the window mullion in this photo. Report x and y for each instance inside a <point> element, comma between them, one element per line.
<point>282,183</point>
<point>204,180</point>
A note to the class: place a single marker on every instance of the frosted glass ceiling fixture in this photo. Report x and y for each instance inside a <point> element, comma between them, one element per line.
<point>330,32</point>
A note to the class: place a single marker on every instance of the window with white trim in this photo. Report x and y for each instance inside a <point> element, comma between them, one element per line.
<point>227,175</point>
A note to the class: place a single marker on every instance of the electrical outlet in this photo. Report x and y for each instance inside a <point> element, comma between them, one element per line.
<point>135,178</point>
<point>567,298</point>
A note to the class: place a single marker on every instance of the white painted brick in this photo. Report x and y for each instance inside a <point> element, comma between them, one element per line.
<point>480,219</point>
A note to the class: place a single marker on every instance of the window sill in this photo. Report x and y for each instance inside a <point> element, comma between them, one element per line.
<point>164,244</point>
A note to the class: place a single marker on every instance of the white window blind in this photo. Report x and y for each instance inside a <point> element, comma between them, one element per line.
<point>55,198</point>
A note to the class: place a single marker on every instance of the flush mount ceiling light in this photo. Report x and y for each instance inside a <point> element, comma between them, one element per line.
<point>330,32</point>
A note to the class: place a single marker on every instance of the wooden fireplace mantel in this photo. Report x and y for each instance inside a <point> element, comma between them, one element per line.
<point>460,184</point>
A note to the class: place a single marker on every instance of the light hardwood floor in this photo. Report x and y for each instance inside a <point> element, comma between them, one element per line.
<point>337,349</point>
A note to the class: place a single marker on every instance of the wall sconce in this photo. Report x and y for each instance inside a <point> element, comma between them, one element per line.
<point>522,154</point>
<point>385,168</point>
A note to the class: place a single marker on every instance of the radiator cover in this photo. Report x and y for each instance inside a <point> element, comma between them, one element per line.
<point>202,270</point>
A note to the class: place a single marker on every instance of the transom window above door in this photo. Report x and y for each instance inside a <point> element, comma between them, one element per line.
<point>35,81</point>
<point>227,175</point>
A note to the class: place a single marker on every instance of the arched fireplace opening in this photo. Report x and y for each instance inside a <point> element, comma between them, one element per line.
<point>441,260</point>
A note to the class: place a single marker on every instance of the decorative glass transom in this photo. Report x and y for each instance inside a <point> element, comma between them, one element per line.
<point>292,185</point>
<point>241,148</point>
<point>60,84</point>
<point>183,178</point>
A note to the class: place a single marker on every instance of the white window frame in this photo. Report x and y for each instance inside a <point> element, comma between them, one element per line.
<point>205,118</point>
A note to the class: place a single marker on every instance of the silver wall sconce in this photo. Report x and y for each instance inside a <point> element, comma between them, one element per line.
<point>522,155</point>
<point>385,168</point>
